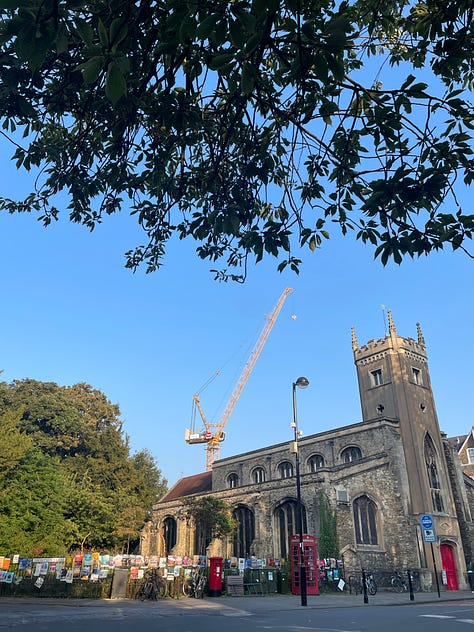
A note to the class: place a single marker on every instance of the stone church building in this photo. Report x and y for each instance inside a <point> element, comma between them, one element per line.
<point>380,476</point>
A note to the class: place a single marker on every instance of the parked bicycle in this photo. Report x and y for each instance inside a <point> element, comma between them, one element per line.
<point>370,583</point>
<point>153,587</point>
<point>195,585</point>
<point>400,583</point>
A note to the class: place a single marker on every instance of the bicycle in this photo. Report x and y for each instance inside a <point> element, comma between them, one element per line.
<point>370,584</point>
<point>154,587</point>
<point>195,585</point>
<point>400,584</point>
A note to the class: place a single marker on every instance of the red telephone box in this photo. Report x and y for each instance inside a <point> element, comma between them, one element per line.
<point>310,561</point>
<point>216,565</point>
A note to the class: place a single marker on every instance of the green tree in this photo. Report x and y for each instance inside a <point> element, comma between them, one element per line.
<point>104,493</point>
<point>252,126</point>
<point>212,519</point>
<point>34,496</point>
<point>328,545</point>
<point>14,444</point>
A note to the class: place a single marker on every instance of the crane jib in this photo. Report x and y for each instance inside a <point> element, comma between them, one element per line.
<point>213,433</point>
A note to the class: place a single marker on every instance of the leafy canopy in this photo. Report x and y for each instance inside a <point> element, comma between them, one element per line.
<point>252,126</point>
<point>67,478</point>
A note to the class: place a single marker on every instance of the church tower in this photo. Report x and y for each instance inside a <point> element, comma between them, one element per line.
<point>394,383</point>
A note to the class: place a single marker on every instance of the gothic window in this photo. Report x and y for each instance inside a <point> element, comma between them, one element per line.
<point>416,375</point>
<point>350,454</point>
<point>315,462</point>
<point>285,469</point>
<point>376,377</point>
<point>432,472</point>
<point>202,538</point>
<point>232,481</point>
<point>258,475</point>
<point>285,523</point>
<point>169,533</point>
<point>365,520</point>
<point>245,533</point>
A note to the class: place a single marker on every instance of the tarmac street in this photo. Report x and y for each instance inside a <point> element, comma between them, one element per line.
<point>385,612</point>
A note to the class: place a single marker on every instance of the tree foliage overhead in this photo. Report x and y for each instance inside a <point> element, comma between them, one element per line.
<point>67,478</point>
<point>253,126</point>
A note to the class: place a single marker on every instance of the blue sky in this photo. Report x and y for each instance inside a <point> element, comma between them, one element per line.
<point>72,313</point>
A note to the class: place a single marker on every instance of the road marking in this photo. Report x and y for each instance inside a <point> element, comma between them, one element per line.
<point>236,613</point>
<point>471,621</point>
<point>436,616</point>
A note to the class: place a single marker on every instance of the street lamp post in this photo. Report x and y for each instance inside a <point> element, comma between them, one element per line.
<point>301,382</point>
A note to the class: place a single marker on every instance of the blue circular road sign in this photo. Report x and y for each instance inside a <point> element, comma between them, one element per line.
<point>426,521</point>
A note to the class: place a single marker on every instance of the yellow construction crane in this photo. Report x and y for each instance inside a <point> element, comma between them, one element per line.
<point>213,433</point>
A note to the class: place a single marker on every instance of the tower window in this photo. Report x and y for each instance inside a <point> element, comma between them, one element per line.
<point>470,455</point>
<point>431,460</point>
<point>416,374</point>
<point>376,377</point>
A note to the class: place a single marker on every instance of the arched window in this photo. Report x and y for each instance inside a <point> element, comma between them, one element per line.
<point>365,520</point>
<point>232,481</point>
<point>285,523</point>
<point>315,462</point>
<point>259,475</point>
<point>432,472</point>
<point>202,538</point>
<point>285,469</point>
<point>350,454</point>
<point>169,533</point>
<point>245,533</point>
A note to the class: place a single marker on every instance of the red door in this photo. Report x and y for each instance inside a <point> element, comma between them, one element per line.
<point>447,560</point>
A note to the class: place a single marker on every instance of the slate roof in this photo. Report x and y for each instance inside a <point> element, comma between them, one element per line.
<point>457,442</point>
<point>189,485</point>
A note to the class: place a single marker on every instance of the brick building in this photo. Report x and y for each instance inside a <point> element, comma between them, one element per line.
<point>380,476</point>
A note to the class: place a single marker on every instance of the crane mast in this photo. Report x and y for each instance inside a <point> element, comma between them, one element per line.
<point>213,433</point>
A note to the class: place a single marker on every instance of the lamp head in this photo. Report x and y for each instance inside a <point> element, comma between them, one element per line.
<point>302,382</point>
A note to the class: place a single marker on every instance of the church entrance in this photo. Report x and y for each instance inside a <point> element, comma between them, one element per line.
<point>447,560</point>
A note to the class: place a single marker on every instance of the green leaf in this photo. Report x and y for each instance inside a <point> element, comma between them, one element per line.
<point>103,34</point>
<point>118,31</point>
<point>207,26</point>
<point>92,68</point>
<point>249,77</point>
<point>221,60</point>
<point>115,85</point>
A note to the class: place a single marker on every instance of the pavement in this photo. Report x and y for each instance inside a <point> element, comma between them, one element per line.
<point>252,603</point>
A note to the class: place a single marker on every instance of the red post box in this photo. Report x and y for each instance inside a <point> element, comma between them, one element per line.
<point>216,565</point>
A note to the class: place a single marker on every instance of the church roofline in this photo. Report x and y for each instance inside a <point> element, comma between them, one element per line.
<point>360,425</point>
<point>189,485</point>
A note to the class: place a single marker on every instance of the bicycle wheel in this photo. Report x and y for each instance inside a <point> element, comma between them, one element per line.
<point>162,588</point>
<point>188,588</point>
<point>371,587</point>
<point>199,590</point>
<point>145,591</point>
<point>398,585</point>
